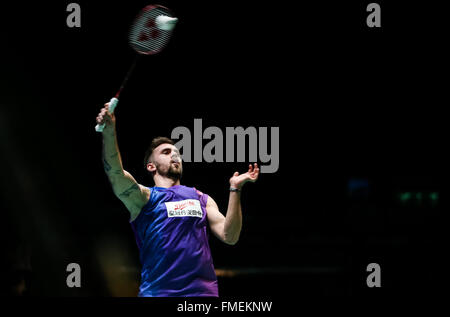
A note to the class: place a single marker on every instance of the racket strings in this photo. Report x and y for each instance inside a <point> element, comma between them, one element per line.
<point>145,37</point>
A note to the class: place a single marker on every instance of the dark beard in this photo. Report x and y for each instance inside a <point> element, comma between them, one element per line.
<point>174,173</point>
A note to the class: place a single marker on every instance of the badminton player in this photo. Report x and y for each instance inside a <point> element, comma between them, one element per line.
<point>171,221</point>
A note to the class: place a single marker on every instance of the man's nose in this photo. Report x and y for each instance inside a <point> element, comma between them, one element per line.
<point>176,157</point>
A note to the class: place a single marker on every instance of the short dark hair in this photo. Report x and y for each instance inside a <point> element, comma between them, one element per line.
<point>155,143</point>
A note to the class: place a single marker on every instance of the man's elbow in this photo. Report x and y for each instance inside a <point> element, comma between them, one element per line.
<point>231,240</point>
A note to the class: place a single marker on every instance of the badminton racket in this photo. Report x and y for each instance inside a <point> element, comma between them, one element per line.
<point>148,35</point>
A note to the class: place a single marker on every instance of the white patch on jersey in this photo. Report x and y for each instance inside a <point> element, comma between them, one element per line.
<point>184,208</point>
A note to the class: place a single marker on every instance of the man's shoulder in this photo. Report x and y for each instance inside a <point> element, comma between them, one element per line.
<point>198,192</point>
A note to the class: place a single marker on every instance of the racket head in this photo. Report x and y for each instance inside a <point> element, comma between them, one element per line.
<point>144,36</point>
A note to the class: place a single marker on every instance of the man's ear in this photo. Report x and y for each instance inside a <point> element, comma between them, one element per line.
<point>151,167</point>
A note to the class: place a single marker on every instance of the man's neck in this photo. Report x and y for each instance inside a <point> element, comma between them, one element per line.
<point>165,182</point>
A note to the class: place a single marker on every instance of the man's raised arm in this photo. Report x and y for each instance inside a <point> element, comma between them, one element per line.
<point>125,187</point>
<point>228,228</point>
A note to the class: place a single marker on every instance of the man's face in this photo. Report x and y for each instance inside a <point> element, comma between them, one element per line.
<point>167,161</point>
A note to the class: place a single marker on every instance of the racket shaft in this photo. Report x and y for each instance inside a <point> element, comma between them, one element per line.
<point>112,105</point>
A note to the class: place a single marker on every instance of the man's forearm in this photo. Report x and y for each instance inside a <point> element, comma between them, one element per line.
<point>233,219</point>
<point>112,161</point>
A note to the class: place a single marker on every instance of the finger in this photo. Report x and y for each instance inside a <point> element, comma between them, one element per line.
<point>236,174</point>
<point>255,173</point>
<point>250,168</point>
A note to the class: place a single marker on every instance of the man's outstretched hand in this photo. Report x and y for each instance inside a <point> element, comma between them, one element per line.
<point>237,181</point>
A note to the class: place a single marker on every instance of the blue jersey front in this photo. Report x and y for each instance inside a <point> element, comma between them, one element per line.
<point>172,236</point>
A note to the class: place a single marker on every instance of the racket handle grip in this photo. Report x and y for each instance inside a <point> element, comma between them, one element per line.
<point>112,105</point>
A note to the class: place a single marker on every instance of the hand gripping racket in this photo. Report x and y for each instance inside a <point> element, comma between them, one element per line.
<point>149,34</point>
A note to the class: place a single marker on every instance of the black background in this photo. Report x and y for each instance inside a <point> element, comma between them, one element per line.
<point>351,102</point>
